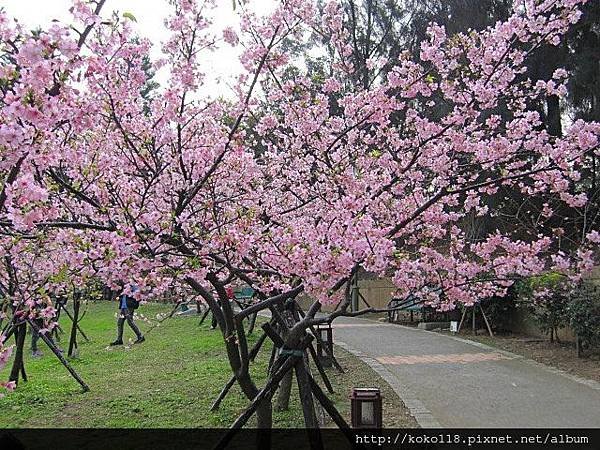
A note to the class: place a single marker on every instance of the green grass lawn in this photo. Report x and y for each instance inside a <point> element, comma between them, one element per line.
<point>168,381</point>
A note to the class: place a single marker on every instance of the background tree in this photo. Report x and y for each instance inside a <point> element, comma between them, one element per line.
<point>584,316</point>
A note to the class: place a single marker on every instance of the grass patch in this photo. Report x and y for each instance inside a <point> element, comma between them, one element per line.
<point>169,381</point>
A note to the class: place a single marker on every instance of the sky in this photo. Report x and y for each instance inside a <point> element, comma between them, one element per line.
<point>221,66</point>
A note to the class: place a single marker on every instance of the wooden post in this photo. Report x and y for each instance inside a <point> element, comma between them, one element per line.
<point>474,330</point>
<point>252,323</point>
<point>328,405</point>
<point>263,393</point>
<point>487,324</point>
<point>222,394</point>
<point>314,332</point>
<point>8,334</point>
<point>354,293</point>
<point>60,357</point>
<point>254,351</point>
<point>73,338</point>
<point>8,331</point>
<point>274,350</point>
<point>462,319</point>
<point>269,388</point>
<point>78,327</point>
<point>308,407</point>
<point>363,298</point>
<point>23,373</point>
<point>319,367</point>
<point>204,316</point>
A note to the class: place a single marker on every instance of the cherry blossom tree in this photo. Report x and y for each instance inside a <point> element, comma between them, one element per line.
<point>41,115</point>
<point>294,183</point>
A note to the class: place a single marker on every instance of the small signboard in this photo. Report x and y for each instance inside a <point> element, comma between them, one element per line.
<point>454,326</point>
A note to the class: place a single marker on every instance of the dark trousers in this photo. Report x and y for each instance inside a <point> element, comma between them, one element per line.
<point>127,315</point>
<point>35,336</point>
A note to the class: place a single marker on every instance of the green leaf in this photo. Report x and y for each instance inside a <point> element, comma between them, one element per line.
<point>398,254</point>
<point>194,262</point>
<point>129,16</point>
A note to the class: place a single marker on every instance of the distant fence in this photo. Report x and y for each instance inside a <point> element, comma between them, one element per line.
<point>378,292</point>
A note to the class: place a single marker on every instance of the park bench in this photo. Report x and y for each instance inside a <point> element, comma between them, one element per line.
<point>412,303</point>
<point>244,298</point>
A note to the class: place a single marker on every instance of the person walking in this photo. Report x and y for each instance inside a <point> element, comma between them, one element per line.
<point>127,306</point>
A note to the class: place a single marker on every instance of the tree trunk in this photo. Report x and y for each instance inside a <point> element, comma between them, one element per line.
<point>18,363</point>
<point>553,117</point>
<point>285,388</point>
<point>264,415</point>
<point>308,406</point>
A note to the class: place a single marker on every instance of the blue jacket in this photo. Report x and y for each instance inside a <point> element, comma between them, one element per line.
<point>123,298</point>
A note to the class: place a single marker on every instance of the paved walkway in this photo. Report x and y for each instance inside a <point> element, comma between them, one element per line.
<point>450,382</point>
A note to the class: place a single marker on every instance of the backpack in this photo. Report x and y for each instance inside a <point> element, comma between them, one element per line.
<point>131,302</point>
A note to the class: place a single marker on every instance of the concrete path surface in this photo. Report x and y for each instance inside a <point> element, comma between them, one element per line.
<point>451,382</point>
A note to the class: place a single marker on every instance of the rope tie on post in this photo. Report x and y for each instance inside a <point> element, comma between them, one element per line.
<point>290,352</point>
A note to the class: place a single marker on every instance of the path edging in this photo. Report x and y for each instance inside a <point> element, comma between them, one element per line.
<point>417,409</point>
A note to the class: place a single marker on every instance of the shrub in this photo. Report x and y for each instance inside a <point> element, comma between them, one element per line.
<point>584,314</point>
<point>547,298</point>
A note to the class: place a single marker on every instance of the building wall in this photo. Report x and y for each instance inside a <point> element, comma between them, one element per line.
<point>523,323</point>
<point>305,301</point>
<point>377,293</point>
